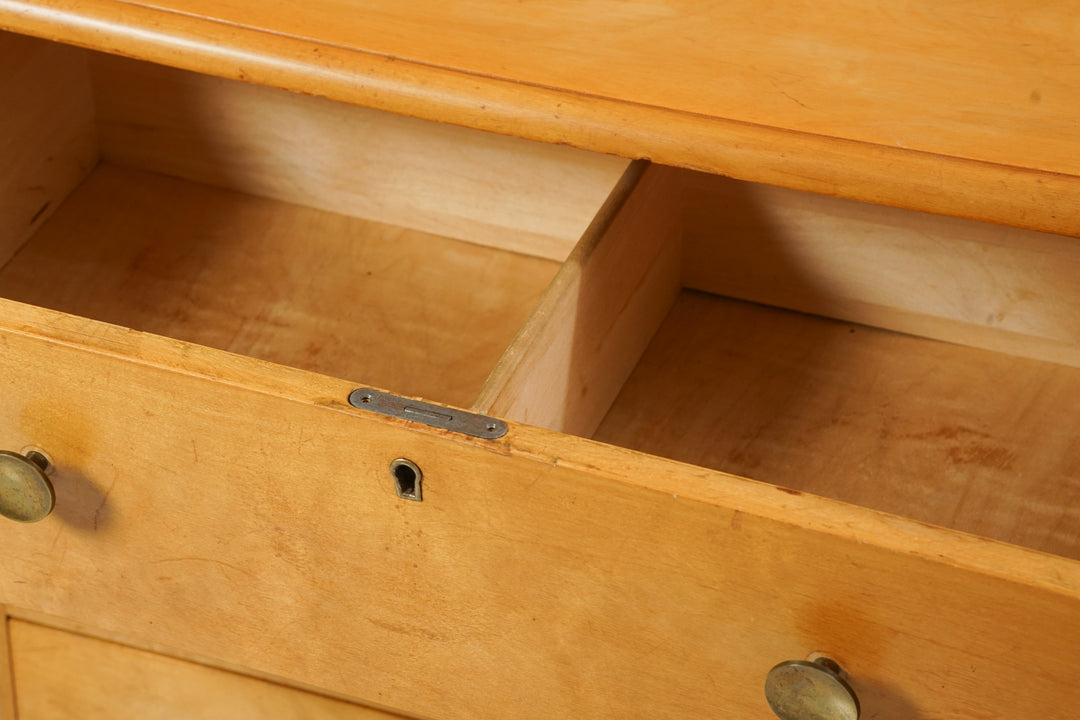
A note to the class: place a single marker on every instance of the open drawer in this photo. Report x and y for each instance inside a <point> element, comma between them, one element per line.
<point>169,234</point>
<point>297,230</point>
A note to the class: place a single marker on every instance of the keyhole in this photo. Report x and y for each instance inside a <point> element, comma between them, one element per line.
<point>407,478</point>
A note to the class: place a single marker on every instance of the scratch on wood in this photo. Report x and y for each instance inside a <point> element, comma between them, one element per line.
<point>40,212</point>
<point>101,505</point>
<point>222,563</point>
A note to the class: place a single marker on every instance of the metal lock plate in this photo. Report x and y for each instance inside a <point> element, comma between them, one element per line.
<point>438,416</point>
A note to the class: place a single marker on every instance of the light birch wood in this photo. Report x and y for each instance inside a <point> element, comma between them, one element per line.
<point>7,686</point>
<point>616,584</point>
<point>490,189</point>
<point>944,434</point>
<point>47,142</point>
<point>419,313</point>
<point>568,363</point>
<point>894,74</point>
<point>62,675</point>
<point>952,182</point>
<point>209,663</point>
<point>543,576</point>
<point>973,283</point>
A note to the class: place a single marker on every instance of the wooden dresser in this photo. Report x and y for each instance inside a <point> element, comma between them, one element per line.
<point>780,304</point>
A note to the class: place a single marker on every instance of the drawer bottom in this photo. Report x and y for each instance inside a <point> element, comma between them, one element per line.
<point>316,290</point>
<point>942,433</point>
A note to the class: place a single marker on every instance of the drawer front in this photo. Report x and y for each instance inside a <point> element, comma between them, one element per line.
<point>59,674</point>
<point>233,510</point>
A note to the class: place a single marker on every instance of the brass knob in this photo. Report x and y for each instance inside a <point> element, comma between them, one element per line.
<point>805,690</point>
<point>26,495</point>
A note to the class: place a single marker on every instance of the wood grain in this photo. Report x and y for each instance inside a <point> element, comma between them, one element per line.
<point>972,283</point>
<point>944,434</point>
<point>568,363</point>
<point>7,684</point>
<point>47,142</point>
<point>958,181</point>
<point>62,675</point>
<point>418,313</point>
<point>484,188</point>
<point>898,74</point>
<point>616,584</point>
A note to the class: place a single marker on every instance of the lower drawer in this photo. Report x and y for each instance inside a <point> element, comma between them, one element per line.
<point>59,674</point>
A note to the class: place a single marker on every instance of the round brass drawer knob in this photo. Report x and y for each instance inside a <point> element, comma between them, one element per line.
<point>804,690</point>
<point>26,495</point>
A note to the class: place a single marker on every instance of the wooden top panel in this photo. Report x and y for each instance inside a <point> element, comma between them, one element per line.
<point>991,81</point>
<point>959,109</point>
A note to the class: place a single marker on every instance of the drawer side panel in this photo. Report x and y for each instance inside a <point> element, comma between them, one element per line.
<point>47,138</point>
<point>972,283</point>
<point>489,189</point>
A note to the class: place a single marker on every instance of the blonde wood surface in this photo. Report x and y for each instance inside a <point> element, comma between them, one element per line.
<point>7,686</point>
<point>909,75</point>
<point>539,558</point>
<point>456,182</point>
<point>209,664</point>
<point>964,438</point>
<point>569,361</point>
<point>419,313</point>
<point>996,160</point>
<point>63,675</point>
<point>47,142</point>
<point>973,283</point>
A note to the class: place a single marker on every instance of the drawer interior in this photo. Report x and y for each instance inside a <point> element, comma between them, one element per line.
<point>396,252</point>
<point>918,365</point>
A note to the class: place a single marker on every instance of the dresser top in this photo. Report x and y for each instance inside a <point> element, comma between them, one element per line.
<point>897,102</point>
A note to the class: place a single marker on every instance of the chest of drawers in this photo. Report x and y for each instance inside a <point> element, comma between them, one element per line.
<point>747,422</point>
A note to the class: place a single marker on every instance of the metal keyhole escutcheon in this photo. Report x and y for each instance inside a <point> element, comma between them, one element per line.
<point>26,495</point>
<point>805,690</point>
